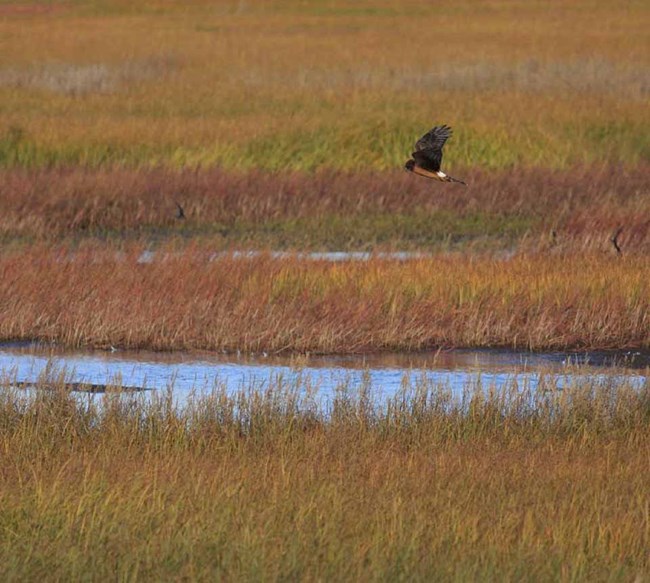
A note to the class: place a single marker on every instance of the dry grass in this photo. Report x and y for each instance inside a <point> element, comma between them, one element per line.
<point>575,209</point>
<point>549,486</point>
<point>77,80</point>
<point>184,300</point>
<point>552,486</point>
<point>305,85</point>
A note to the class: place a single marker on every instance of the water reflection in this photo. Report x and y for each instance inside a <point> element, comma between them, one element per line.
<point>386,373</point>
<point>332,256</point>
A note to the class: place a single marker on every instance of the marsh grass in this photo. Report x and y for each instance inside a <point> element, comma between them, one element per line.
<point>77,80</point>
<point>577,209</point>
<point>287,85</point>
<point>98,295</point>
<point>551,485</point>
<point>314,104</point>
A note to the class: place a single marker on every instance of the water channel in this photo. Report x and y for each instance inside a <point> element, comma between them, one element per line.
<point>23,364</point>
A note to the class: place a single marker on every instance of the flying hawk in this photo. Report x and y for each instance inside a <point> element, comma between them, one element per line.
<point>427,157</point>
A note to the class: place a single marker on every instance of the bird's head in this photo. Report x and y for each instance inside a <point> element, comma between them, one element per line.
<point>409,165</point>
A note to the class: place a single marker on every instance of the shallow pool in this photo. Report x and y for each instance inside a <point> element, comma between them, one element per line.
<point>385,373</point>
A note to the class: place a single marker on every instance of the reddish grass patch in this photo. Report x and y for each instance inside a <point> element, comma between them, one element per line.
<point>35,9</point>
<point>581,206</point>
<point>185,301</point>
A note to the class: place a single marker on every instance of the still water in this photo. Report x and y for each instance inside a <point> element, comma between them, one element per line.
<point>186,373</point>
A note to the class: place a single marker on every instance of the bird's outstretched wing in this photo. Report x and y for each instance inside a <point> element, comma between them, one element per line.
<point>428,149</point>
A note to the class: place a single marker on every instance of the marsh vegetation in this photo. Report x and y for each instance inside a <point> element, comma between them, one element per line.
<point>550,485</point>
<point>282,125</point>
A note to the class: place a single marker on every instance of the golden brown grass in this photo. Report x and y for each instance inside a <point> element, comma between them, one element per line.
<point>303,85</point>
<point>183,300</point>
<point>553,487</point>
<point>578,208</point>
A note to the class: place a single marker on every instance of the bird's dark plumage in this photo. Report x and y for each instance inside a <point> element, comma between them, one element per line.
<point>181,213</point>
<point>427,158</point>
<point>428,149</point>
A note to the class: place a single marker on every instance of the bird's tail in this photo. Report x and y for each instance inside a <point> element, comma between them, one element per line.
<point>452,179</point>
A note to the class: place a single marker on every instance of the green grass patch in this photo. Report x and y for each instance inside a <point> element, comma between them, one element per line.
<point>359,232</point>
<point>619,140</point>
<point>365,232</point>
<point>355,147</point>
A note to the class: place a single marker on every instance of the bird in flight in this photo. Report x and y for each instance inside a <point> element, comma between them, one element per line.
<point>427,157</point>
